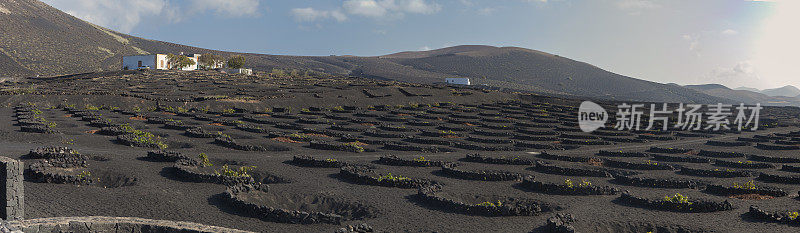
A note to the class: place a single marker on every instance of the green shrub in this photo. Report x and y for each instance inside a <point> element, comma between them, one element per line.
<point>236,62</point>
<point>85,175</point>
<point>91,107</point>
<point>677,198</point>
<point>749,185</point>
<point>144,137</point>
<point>490,204</point>
<point>582,183</point>
<point>298,136</point>
<point>421,159</point>
<point>229,111</point>
<point>204,160</point>
<point>354,146</point>
<point>793,215</point>
<point>392,177</point>
<point>241,172</point>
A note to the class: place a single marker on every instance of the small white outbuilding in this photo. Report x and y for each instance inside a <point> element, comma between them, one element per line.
<point>459,81</point>
<point>238,71</point>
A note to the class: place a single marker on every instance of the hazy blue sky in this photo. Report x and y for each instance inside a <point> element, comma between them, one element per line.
<point>733,42</point>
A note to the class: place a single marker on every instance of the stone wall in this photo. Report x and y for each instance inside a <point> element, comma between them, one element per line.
<point>111,224</point>
<point>12,203</point>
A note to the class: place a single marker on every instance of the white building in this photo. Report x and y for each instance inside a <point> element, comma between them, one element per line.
<point>154,61</point>
<point>460,81</point>
<point>238,71</point>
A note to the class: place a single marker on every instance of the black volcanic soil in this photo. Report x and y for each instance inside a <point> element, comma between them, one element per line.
<point>292,113</point>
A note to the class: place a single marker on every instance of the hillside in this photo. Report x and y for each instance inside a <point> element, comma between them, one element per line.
<point>704,87</point>
<point>789,91</point>
<point>530,70</point>
<point>748,89</point>
<point>36,39</point>
<point>740,95</point>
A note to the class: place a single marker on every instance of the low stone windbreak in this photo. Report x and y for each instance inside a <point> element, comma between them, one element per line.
<point>111,224</point>
<point>13,204</point>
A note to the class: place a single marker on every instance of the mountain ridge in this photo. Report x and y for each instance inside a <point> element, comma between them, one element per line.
<point>787,91</point>
<point>744,95</point>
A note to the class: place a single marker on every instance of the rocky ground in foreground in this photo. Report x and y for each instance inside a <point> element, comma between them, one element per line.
<point>263,154</point>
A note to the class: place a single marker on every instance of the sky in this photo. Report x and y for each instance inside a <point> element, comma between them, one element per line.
<point>752,43</point>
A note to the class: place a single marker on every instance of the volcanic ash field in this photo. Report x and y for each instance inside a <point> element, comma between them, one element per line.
<point>268,154</point>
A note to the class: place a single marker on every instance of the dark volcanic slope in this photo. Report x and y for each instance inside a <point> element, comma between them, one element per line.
<point>532,70</point>
<point>36,39</point>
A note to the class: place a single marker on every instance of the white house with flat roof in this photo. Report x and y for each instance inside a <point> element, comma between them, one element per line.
<point>154,61</point>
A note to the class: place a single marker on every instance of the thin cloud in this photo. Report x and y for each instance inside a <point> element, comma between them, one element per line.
<point>743,74</point>
<point>228,8</point>
<point>487,11</point>
<point>467,3</point>
<point>694,43</point>
<point>125,15</point>
<point>636,7</point>
<point>310,14</point>
<point>380,9</point>
<point>366,7</point>
<point>389,8</point>
<point>729,32</point>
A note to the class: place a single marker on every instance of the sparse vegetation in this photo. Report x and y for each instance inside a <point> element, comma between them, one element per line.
<point>583,183</point>
<point>85,175</point>
<point>229,111</point>
<point>677,198</point>
<point>204,161</point>
<point>490,204</point>
<point>749,185</point>
<point>421,159</point>
<point>234,173</point>
<point>354,146</point>
<point>793,215</point>
<point>143,137</point>
<point>391,177</point>
<point>91,107</point>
